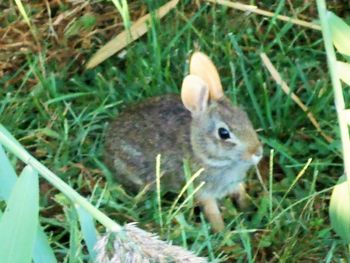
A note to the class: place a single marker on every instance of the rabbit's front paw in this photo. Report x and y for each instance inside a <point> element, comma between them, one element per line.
<point>212,212</point>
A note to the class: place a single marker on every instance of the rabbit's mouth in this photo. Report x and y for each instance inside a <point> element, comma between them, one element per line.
<point>256,159</point>
<point>253,157</point>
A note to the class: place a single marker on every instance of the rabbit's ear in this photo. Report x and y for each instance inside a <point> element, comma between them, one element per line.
<point>194,94</point>
<point>203,67</point>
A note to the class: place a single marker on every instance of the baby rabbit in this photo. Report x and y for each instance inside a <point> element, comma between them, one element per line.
<point>202,127</point>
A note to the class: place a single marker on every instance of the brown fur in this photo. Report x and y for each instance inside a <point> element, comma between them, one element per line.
<point>159,125</point>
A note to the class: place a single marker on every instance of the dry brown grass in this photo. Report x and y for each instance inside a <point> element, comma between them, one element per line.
<point>59,36</point>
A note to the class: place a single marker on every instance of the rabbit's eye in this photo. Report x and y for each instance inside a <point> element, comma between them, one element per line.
<point>224,134</point>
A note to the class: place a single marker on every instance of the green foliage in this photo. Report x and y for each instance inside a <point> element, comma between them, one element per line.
<point>341,40</point>
<point>86,221</point>
<point>344,71</point>
<point>85,22</point>
<point>42,252</point>
<point>23,12</point>
<point>340,33</point>
<point>339,209</point>
<point>60,114</point>
<point>18,225</point>
<point>7,176</point>
<point>88,230</point>
<point>123,9</point>
<point>336,31</point>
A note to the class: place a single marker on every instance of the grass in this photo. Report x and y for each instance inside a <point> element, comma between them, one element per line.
<point>60,113</point>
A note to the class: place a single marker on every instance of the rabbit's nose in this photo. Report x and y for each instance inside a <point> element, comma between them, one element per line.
<point>254,155</point>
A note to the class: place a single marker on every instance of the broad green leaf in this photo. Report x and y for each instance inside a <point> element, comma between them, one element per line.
<point>42,252</point>
<point>88,229</point>
<point>344,71</point>
<point>339,209</point>
<point>340,33</point>
<point>8,176</point>
<point>19,223</point>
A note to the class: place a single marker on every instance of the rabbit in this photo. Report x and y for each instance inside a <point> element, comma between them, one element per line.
<point>201,126</point>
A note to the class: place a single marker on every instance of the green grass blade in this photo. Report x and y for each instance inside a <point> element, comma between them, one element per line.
<point>340,33</point>
<point>158,190</point>
<point>42,252</point>
<point>75,251</point>
<point>188,26</point>
<point>339,209</point>
<point>18,226</point>
<point>23,12</point>
<point>246,241</point>
<point>251,92</point>
<point>88,230</point>
<point>7,176</point>
<point>123,9</point>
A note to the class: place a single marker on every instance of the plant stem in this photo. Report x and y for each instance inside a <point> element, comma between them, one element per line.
<point>13,146</point>
<point>158,190</point>
<point>337,88</point>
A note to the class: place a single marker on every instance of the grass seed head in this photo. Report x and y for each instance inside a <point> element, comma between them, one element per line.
<point>133,244</point>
